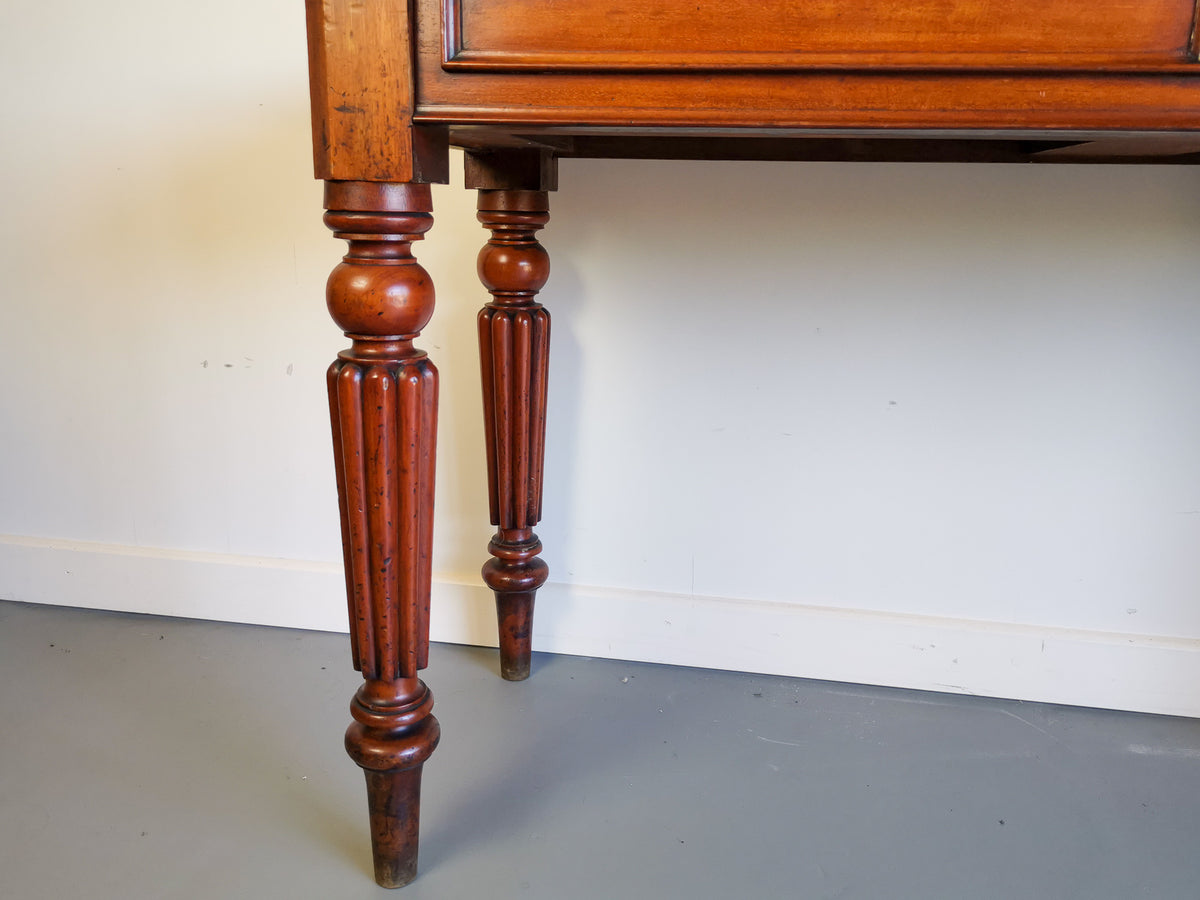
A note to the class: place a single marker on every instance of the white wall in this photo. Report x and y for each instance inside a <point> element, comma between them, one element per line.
<point>932,426</point>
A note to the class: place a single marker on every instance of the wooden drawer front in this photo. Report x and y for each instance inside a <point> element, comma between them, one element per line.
<point>610,35</point>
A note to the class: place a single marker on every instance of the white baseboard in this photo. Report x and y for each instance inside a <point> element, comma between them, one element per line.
<point>1057,665</point>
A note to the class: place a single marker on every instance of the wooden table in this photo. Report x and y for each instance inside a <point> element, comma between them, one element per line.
<point>520,84</point>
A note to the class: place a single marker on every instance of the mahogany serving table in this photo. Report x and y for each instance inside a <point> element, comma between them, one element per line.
<point>521,83</point>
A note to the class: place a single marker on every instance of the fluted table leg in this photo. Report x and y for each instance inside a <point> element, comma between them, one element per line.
<point>514,343</point>
<point>383,404</point>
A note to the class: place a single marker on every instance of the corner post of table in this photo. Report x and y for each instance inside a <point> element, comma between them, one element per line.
<point>514,345</point>
<point>377,165</point>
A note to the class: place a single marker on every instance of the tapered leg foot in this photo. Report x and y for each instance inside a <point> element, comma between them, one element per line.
<point>515,573</point>
<point>393,734</point>
<point>394,800</point>
<point>514,612</point>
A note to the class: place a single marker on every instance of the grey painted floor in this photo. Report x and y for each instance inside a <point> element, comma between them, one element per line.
<point>147,757</point>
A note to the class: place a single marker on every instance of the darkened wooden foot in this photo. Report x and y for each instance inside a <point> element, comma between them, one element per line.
<point>394,799</point>
<point>393,734</point>
<point>514,346</point>
<point>515,573</point>
<point>514,613</point>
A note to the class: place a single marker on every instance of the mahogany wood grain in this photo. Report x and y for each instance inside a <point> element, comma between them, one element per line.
<point>383,407</point>
<point>362,92</point>
<point>1046,105</point>
<point>612,34</point>
<point>514,347</point>
<point>1050,91</point>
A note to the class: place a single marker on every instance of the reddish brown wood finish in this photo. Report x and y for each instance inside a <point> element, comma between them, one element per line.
<point>514,346</point>
<point>613,34</point>
<point>521,83</point>
<point>383,405</point>
<point>362,95</point>
<point>952,65</point>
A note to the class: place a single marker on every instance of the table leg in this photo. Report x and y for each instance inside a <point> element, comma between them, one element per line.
<point>383,404</point>
<point>514,343</point>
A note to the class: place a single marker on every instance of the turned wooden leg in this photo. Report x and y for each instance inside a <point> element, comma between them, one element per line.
<point>514,343</point>
<point>383,404</point>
